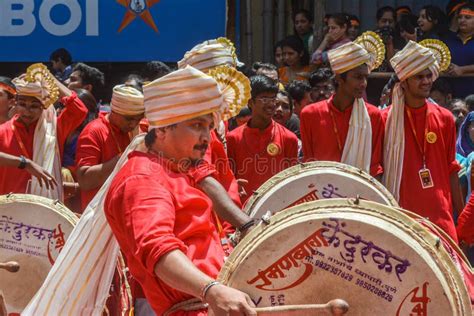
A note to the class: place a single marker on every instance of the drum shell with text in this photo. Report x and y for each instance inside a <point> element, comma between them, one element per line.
<point>379,260</point>
<point>315,181</point>
<point>33,231</point>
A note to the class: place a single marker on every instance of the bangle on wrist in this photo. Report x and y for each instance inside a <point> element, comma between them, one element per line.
<point>23,162</point>
<point>206,289</point>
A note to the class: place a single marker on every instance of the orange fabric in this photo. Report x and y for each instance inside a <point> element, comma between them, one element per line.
<point>302,75</point>
<point>248,156</point>
<point>319,139</point>
<point>151,216</point>
<point>434,203</point>
<point>16,180</point>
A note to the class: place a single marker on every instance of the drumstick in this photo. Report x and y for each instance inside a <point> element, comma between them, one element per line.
<point>11,266</point>
<point>335,307</point>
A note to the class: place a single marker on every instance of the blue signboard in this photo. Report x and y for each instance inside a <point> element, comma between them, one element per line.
<point>107,30</point>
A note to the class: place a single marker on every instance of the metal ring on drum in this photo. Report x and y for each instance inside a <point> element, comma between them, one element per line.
<point>315,181</point>
<point>375,257</point>
<point>33,230</point>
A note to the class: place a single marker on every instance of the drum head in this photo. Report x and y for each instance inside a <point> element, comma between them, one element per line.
<point>315,181</point>
<point>33,231</point>
<point>379,260</point>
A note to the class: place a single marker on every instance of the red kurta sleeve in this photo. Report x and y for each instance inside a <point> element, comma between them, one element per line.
<point>292,150</point>
<point>453,165</point>
<point>306,139</point>
<point>465,227</point>
<point>231,152</point>
<point>70,118</point>
<point>88,152</point>
<point>150,219</point>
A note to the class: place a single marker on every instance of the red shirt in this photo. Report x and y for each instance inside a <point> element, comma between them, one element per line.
<point>434,203</point>
<point>247,151</point>
<point>99,142</point>
<point>16,180</point>
<point>466,222</point>
<point>319,137</point>
<point>152,215</point>
<point>217,156</point>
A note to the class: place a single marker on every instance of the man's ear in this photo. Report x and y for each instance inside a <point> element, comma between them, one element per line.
<point>250,104</point>
<point>160,133</point>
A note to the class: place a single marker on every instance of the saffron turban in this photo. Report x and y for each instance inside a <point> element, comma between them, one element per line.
<point>210,54</point>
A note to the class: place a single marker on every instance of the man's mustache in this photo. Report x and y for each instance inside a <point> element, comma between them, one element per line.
<point>202,147</point>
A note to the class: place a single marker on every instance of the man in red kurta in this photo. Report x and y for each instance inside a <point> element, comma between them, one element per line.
<point>345,128</point>
<point>261,148</point>
<point>465,227</point>
<point>156,209</point>
<point>103,140</point>
<point>320,139</point>
<point>420,139</point>
<point>17,134</point>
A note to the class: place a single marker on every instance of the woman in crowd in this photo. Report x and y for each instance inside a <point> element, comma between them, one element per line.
<point>337,35</point>
<point>278,54</point>
<point>303,25</point>
<point>296,59</point>
<point>433,23</point>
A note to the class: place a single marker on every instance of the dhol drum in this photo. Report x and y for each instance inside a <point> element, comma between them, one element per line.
<point>379,260</point>
<point>315,181</point>
<point>33,230</point>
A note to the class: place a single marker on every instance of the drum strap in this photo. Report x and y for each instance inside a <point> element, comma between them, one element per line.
<point>193,304</point>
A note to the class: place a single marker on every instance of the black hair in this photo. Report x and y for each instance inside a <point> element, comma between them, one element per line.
<point>320,75</point>
<point>469,100</point>
<point>92,76</point>
<point>8,82</point>
<point>449,9</point>
<point>297,45</point>
<point>306,14</point>
<point>261,65</point>
<point>440,28</point>
<point>353,17</point>
<point>408,23</point>
<point>88,99</point>
<point>150,138</point>
<point>261,84</point>
<point>442,85</point>
<point>468,5</point>
<point>382,10</point>
<point>155,70</point>
<point>341,19</point>
<point>297,89</point>
<point>62,54</point>
<point>138,79</point>
<point>244,111</point>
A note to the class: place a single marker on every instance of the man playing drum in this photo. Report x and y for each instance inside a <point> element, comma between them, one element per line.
<point>162,221</point>
<point>103,140</point>
<point>36,134</point>
<point>420,138</point>
<point>345,128</point>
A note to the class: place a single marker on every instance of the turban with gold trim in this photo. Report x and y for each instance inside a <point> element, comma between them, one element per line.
<point>368,49</point>
<point>127,101</point>
<point>38,82</point>
<point>210,54</point>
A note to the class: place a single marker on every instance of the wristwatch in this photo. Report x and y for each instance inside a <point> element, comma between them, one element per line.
<point>23,162</point>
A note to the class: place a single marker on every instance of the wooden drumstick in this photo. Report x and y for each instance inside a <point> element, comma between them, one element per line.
<point>335,307</point>
<point>11,266</point>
